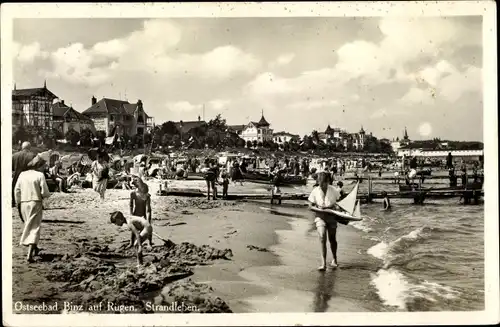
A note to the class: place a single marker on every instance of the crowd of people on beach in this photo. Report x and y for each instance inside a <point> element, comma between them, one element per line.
<point>31,173</point>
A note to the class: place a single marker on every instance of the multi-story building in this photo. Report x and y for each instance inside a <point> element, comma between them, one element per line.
<point>282,137</point>
<point>397,143</point>
<point>339,136</point>
<point>32,108</point>
<point>119,117</point>
<point>66,118</point>
<point>257,131</point>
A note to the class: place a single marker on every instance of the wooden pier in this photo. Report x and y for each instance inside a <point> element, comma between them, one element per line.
<point>418,196</point>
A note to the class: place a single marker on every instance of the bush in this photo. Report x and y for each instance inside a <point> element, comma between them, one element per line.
<point>72,137</point>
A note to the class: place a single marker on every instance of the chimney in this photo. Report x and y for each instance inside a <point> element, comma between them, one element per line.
<point>139,104</point>
<point>94,100</point>
<point>199,118</point>
<point>62,102</point>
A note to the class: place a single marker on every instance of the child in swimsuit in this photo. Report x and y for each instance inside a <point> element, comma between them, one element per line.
<point>140,201</point>
<point>387,203</point>
<point>141,230</point>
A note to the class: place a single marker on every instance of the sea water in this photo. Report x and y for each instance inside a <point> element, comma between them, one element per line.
<point>413,258</point>
<point>432,255</point>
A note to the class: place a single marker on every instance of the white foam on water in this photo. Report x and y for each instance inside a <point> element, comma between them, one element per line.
<point>379,250</point>
<point>430,291</point>
<point>392,287</point>
<point>361,225</point>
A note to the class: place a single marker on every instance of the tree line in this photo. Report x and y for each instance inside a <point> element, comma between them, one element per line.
<point>214,134</point>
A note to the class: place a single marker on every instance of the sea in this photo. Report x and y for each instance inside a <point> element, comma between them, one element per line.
<point>426,257</point>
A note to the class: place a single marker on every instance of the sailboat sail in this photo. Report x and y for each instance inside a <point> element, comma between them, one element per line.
<point>349,202</point>
<point>357,210</point>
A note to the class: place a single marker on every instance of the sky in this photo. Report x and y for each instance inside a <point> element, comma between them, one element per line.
<point>382,74</point>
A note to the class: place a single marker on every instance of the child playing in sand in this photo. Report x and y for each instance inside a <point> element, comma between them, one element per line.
<point>141,230</point>
<point>140,200</point>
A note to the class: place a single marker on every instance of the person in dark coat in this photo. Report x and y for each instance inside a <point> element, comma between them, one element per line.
<point>20,162</point>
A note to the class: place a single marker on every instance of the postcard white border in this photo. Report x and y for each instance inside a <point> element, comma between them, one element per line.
<point>486,9</point>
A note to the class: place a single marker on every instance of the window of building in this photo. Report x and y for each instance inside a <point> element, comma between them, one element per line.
<point>111,118</point>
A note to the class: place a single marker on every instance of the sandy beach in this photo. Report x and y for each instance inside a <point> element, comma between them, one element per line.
<point>237,258</point>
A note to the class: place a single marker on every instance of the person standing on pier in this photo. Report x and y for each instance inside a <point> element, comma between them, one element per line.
<point>325,196</point>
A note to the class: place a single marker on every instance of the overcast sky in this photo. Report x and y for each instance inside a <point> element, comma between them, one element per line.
<point>379,73</point>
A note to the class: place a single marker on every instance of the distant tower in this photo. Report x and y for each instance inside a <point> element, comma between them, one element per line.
<point>405,136</point>
<point>362,135</point>
<point>14,86</point>
<point>45,84</point>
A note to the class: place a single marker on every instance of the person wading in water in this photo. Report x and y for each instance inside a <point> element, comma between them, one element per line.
<point>325,196</point>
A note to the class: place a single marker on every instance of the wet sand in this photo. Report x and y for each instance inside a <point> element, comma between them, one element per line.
<point>254,276</point>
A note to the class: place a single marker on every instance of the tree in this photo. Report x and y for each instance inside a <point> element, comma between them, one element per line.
<point>72,136</point>
<point>218,124</point>
<point>240,143</point>
<point>294,145</point>
<point>86,137</point>
<point>147,138</point>
<point>20,134</point>
<point>165,140</point>
<point>260,144</point>
<point>249,144</point>
<point>315,137</point>
<point>273,146</point>
<point>169,128</point>
<point>176,140</point>
<point>254,143</point>
<point>286,146</point>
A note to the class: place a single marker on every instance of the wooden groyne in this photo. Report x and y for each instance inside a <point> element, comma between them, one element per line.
<point>418,196</point>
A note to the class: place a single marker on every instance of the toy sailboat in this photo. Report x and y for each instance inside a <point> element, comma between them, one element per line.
<point>350,208</point>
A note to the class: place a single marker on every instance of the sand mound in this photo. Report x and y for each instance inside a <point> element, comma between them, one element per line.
<point>191,254</point>
<point>95,274</point>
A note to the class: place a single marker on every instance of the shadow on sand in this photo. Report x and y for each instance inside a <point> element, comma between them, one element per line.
<point>324,290</point>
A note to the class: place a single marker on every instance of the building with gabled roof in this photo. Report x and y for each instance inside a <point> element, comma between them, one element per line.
<point>185,127</point>
<point>119,117</point>
<point>32,108</point>
<point>66,118</point>
<point>257,131</point>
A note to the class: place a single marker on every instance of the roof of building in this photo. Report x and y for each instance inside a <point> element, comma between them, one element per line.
<point>61,110</point>
<point>263,121</point>
<point>113,106</point>
<point>237,128</point>
<point>328,129</point>
<point>186,126</point>
<point>33,92</point>
<point>285,134</point>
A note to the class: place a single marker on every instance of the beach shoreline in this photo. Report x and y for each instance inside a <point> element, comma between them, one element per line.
<point>252,234</point>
